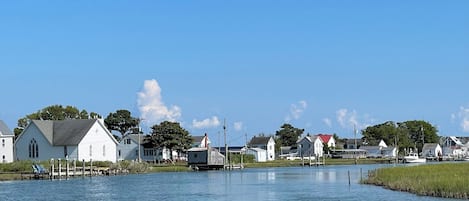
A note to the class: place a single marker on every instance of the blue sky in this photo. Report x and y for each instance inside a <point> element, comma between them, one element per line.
<point>320,65</point>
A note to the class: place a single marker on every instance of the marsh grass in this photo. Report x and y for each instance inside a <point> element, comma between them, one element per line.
<point>449,180</point>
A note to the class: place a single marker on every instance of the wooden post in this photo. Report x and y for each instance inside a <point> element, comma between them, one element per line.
<point>91,167</point>
<point>52,168</point>
<point>83,168</point>
<point>67,167</point>
<point>74,167</point>
<point>60,168</point>
<point>349,178</point>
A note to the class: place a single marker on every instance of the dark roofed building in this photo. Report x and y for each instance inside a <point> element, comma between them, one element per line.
<point>81,139</point>
<point>266,143</point>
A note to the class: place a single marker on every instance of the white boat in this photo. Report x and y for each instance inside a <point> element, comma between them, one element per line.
<point>414,158</point>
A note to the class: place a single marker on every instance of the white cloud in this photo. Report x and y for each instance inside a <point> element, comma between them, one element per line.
<point>350,119</point>
<point>463,117</point>
<point>206,123</point>
<point>296,110</point>
<point>238,126</point>
<point>327,121</point>
<point>151,106</point>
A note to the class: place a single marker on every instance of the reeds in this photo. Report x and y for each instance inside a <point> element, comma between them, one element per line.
<point>450,180</point>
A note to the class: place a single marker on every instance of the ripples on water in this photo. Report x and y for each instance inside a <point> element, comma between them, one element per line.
<point>295,183</point>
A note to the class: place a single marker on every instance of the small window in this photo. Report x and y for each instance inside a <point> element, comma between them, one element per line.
<point>3,142</point>
<point>65,151</point>
<point>91,150</point>
<point>119,152</point>
<point>136,152</point>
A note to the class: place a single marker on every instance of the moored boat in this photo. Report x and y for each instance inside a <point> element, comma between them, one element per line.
<point>414,158</point>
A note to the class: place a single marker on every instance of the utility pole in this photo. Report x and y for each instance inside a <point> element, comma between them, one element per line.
<point>139,141</point>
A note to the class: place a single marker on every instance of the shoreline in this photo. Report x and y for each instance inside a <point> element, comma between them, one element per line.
<point>22,167</point>
<point>447,180</point>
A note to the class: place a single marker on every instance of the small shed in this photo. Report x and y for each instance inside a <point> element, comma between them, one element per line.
<point>205,158</point>
<point>260,155</point>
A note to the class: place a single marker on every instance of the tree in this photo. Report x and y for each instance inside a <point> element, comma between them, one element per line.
<point>408,134</point>
<point>122,121</point>
<point>170,135</point>
<point>288,135</point>
<point>53,112</point>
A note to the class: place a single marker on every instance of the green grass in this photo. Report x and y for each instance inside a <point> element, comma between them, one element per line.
<point>450,180</point>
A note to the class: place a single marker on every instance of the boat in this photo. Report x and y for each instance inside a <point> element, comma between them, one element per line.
<point>414,158</point>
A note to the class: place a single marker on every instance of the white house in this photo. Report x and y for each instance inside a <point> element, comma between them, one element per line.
<point>260,155</point>
<point>310,146</point>
<point>201,141</point>
<point>432,150</point>
<point>6,140</point>
<point>328,139</point>
<point>128,148</point>
<point>266,143</point>
<point>80,139</point>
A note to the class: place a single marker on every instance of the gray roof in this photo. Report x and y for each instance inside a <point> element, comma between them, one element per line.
<point>4,130</point>
<point>67,132</point>
<point>198,138</point>
<point>260,140</point>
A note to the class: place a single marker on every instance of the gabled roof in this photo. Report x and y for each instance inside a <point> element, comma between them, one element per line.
<point>197,138</point>
<point>309,138</point>
<point>325,137</point>
<point>259,140</point>
<point>66,132</point>
<point>4,130</point>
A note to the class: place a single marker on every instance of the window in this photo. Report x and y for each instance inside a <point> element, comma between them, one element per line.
<point>33,149</point>
<point>65,151</point>
<point>91,150</point>
<point>127,141</point>
<point>119,153</point>
<point>3,142</point>
<point>136,152</point>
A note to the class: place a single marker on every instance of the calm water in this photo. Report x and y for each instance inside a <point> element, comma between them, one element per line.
<point>296,183</point>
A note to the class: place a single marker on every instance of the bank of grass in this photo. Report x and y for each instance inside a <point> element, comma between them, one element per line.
<point>448,180</point>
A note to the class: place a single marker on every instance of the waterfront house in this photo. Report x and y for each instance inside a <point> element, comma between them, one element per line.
<point>353,143</point>
<point>310,146</point>
<point>205,158</point>
<point>6,146</point>
<point>260,155</point>
<point>328,139</point>
<point>432,150</point>
<point>137,146</point>
<point>80,139</point>
<point>201,141</point>
<point>389,152</point>
<point>266,143</point>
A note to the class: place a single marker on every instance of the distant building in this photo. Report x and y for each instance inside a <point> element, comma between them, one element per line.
<point>128,148</point>
<point>432,150</point>
<point>260,155</point>
<point>328,139</point>
<point>201,141</point>
<point>266,143</point>
<point>6,146</point>
<point>80,139</point>
<point>310,146</point>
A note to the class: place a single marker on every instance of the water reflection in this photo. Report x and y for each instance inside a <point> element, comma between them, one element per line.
<point>296,183</point>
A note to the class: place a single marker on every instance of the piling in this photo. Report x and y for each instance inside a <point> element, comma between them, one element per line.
<point>52,168</point>
<point>83,168</point>
<point>67,169</point>
<point>91,168</point>
<point>60,168</point>
<point>74,167</point>
<point>349,178</point>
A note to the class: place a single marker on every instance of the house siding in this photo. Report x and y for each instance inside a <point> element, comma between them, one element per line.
<point>6,149</point>
<point>96,145</point>
<point>46,150</point>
